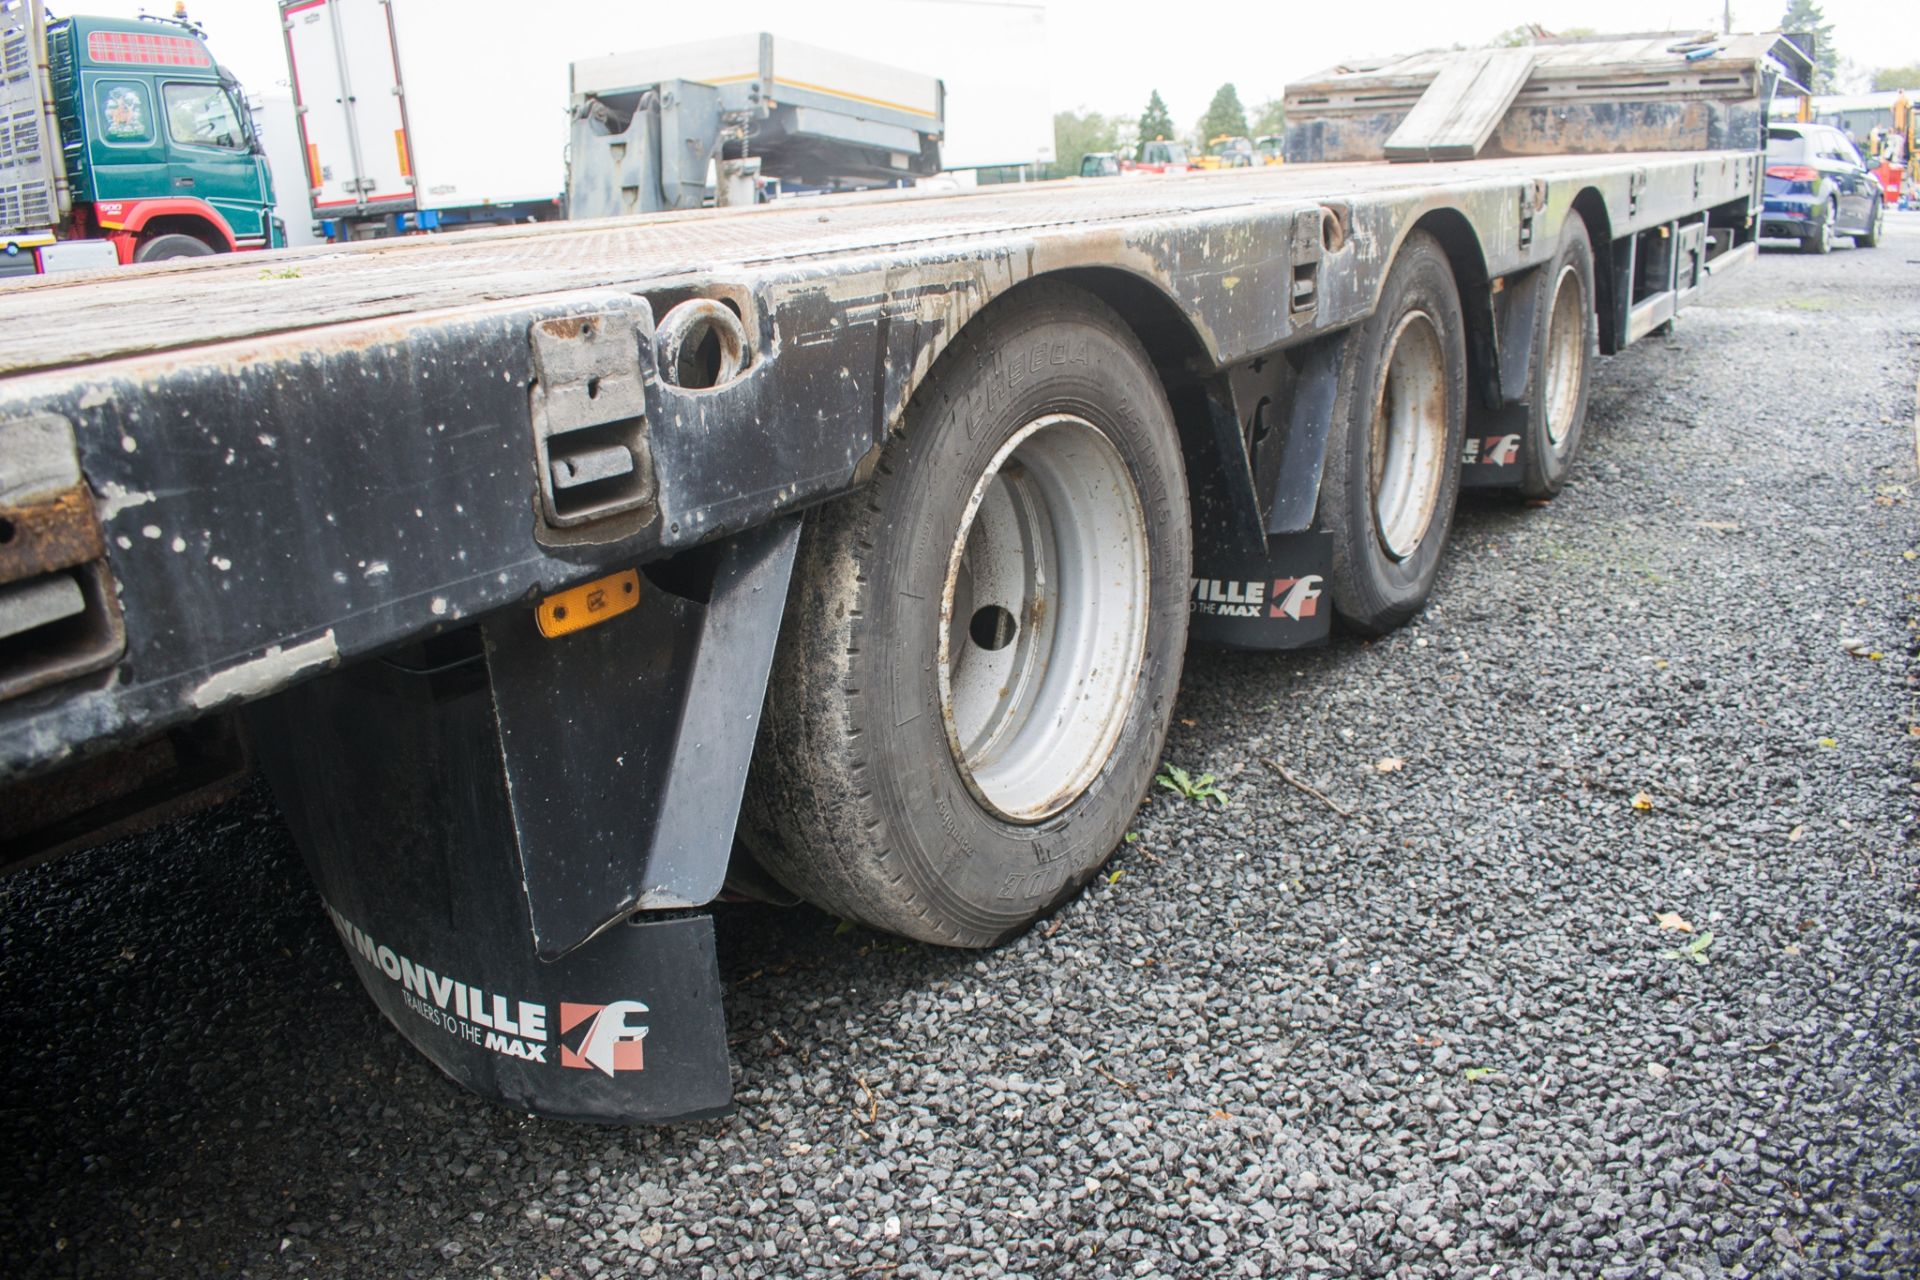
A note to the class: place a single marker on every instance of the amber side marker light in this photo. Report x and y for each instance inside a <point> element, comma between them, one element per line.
<point>588,604</point>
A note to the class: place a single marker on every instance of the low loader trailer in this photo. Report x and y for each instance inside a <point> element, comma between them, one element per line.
<point>562,577</point>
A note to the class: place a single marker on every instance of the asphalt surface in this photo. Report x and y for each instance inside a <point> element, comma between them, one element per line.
<point>1429,1025</point>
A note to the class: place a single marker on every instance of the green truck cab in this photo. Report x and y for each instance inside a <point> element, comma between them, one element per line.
<point>140,147</point>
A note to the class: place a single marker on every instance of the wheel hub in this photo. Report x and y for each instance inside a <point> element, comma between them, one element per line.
<point>1566,354</point>
<point>1044,618</point>
<point>1409,436</point>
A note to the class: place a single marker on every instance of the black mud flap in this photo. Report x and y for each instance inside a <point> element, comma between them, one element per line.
<point>1276,600</point>
<point>1493,454</point>
<point>1494,451</point>
<point>626,1029</point>
<point>513,834</point>
<point>392,779</point>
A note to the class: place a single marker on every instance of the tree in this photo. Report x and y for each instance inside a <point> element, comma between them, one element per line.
<point>1890,78</point>
<point>1807,16</point>
<point>1224,116</point>
<point>1524,34</point>
<point>1533,33</point>
<point>1075,133</point>
<point>1270,117</point>
<point>1156,121</point>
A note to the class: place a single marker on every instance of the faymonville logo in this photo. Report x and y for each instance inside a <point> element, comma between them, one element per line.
<point>1294,598</point>
<point>602,1037</point>
<point>1492,451</point>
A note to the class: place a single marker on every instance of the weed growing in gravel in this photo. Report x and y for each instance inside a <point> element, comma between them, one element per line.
<point>1694,950</point>
<point>1200,789</point>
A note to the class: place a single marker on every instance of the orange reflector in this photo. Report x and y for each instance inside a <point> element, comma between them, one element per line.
<point>313,165</point>
<point>400,149</point>
<point>588,604</point>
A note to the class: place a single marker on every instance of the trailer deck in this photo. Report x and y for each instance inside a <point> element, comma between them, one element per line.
<point>61,322</point>
<point>305,457</point>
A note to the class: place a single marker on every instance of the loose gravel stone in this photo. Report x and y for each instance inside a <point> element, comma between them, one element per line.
<point>1445,1036</point>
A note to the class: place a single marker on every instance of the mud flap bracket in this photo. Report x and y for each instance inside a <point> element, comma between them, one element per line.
<point>1493,451</point>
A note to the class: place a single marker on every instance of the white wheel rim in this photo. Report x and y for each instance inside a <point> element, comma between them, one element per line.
<point>1566,354</point>
<point>1043,618</point>
<point>1409,435</point>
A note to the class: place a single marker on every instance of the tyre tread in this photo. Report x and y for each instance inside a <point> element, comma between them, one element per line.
<point>812,816</point>
<point>1363,604</point>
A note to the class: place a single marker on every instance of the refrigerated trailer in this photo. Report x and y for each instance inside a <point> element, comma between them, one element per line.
<point>376,165</point>
<point>561,577</point>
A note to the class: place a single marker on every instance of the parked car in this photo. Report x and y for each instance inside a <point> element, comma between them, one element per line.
<point>1818,188</point>
<point>1100,164</point>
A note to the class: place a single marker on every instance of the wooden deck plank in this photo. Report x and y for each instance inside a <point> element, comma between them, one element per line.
<point>1462,107</point>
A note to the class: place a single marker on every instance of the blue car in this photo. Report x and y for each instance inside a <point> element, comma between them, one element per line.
<point>1819,188</point>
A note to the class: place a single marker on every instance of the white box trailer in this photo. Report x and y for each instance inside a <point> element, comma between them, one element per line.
<point>278,124</point>
<point>486,138</point>
<point>347,90</point>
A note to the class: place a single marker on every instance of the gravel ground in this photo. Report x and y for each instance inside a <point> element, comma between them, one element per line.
<point>1436,1030</point>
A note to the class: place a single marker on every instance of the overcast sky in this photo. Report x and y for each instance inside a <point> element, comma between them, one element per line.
<point>1108,56</point>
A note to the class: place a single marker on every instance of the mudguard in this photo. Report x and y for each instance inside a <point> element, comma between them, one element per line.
<point>493,819</point>
<point>1266,599</point>
<point>1259,567</point>
<point>1492,455</point>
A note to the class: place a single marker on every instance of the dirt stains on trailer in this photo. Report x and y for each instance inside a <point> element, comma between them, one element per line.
<point>115,497</point>
<point>274,669</point>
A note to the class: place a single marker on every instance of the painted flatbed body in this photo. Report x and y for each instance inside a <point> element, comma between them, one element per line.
<point>79,320</point>
<point>307,457</point>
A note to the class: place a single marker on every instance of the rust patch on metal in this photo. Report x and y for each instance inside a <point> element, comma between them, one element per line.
<point>1333,227</point>
<point>568,326</point>
<point>41,537</point>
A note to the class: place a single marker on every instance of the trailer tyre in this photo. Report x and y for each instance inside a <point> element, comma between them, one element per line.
<point>1393,469</point>
<point>173,245</point>
<point>1566,341</point>
<point>981,651</point>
